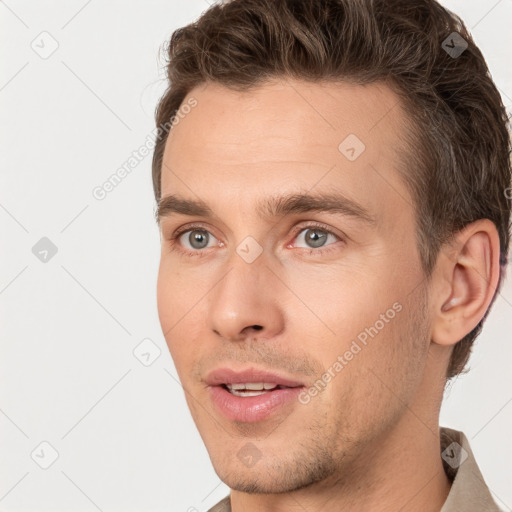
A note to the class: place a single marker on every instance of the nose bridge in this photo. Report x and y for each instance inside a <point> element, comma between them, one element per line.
<point>246,296</point>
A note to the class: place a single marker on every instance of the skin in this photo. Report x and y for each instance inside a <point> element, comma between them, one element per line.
<point>353,445</point>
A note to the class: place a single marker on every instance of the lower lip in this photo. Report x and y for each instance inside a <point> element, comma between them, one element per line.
<point>252,408</point>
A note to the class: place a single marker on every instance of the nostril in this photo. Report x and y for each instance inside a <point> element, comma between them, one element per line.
<point>257,327</point>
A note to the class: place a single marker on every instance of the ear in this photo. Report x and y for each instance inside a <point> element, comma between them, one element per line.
<point>466,278</point>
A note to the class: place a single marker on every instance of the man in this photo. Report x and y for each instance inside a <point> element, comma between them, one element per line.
<point>334,219</point>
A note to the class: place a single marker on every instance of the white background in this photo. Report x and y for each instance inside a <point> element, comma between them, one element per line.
<point>124,435</point>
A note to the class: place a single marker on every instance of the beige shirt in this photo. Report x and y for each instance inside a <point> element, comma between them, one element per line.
<point>468,493</point>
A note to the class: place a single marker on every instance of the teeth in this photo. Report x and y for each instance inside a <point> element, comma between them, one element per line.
<point>253,386</point>
<point>246,393</point>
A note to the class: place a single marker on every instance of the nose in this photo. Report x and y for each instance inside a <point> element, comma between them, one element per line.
<point>246,302</point>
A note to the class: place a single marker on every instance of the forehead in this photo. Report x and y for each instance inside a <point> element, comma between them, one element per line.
<point>233,147</point>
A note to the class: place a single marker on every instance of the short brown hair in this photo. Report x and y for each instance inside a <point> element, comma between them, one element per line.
<point>459,170</point>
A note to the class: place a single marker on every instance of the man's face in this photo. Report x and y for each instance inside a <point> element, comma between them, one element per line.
<point>305,290</point>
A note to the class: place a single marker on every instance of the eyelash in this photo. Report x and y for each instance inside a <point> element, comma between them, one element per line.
<point>202,252</point>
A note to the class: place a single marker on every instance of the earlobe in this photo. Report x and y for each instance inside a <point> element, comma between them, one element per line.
<point>469,278</point>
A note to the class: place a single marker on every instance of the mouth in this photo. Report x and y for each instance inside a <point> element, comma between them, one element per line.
<point>251,395</point>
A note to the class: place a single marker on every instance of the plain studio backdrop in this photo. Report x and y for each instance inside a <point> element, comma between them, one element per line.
<point>89,421</point>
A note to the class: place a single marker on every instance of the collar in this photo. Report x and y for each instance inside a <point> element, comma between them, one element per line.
<point>469,492</point>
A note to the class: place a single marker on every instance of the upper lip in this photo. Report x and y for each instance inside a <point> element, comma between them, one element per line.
<point>230,376</point>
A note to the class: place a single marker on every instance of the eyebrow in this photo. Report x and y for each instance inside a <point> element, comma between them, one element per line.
<point>272,207</point>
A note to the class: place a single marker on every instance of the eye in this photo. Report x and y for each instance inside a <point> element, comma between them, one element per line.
<point>315,236</point>
<point>194,240</point>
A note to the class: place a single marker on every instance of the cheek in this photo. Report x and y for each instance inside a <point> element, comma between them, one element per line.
<point>178,291</point>
<point>176,304</point>
<point>164,298</point>
<point>341,299</point>
<point>363,315</point>
<point>375,378</point>
<point>356,327</point>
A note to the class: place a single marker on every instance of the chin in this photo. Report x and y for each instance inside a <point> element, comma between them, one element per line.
<point>276,478</point>
<point>258,483</point>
